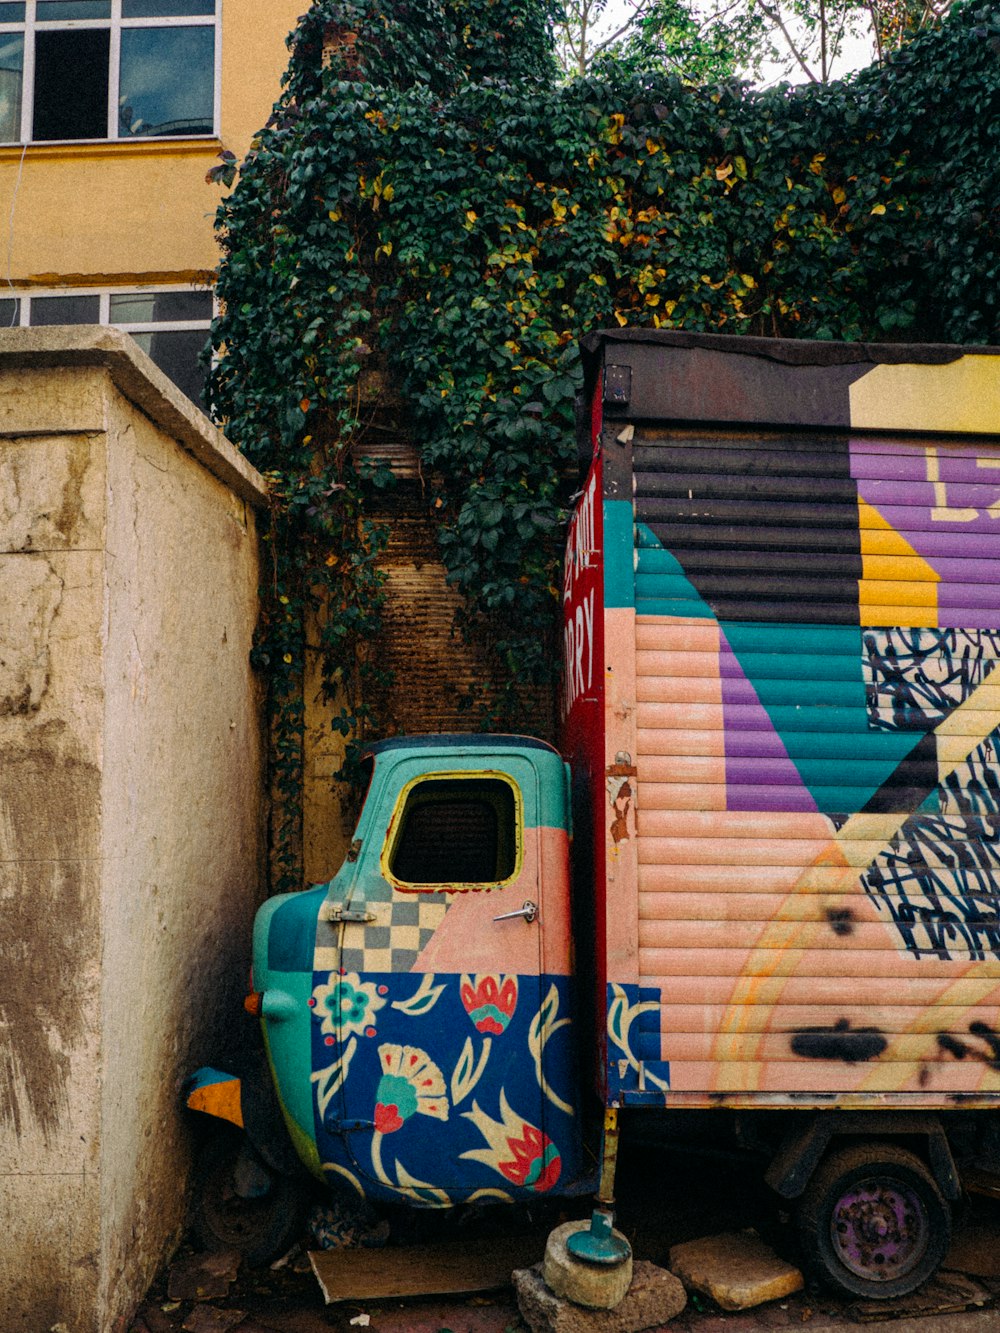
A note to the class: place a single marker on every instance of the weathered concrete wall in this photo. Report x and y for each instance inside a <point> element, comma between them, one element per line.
<point>130,799</point>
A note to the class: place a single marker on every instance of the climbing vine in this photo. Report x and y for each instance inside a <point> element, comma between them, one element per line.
<point>429,206</point>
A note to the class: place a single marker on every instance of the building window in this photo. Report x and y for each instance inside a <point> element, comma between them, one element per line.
<point>171,325</point>
<point>108,69</point>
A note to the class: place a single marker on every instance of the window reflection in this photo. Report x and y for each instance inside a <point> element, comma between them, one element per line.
<point>11,67</point>
<point>176,353</point>
<point>71,84</point>
<point>143,307</point>
<point>167,81</point>
<point>60,10</point>
<point>161,9</point>
<point>65,309</point>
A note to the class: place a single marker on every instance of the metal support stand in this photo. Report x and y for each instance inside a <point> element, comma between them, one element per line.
<point>598,1245</point>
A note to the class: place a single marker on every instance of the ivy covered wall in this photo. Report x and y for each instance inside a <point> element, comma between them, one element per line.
<point>430,209</point>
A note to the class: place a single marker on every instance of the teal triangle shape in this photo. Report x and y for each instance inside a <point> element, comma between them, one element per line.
<point>810,682</point>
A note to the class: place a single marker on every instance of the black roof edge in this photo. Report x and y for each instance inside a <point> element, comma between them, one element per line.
<point>443,740</point>
<point>789,351</point>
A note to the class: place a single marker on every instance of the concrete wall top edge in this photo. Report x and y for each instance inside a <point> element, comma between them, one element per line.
<point>143,384</point>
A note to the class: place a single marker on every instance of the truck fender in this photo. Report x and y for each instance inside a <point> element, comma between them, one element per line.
<point>252,1105</point>
<point>803,1147</point>
<point>215,1093</point>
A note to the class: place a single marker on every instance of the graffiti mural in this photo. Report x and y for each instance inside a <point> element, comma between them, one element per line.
<point>915,677</point>
<point>818,773</point>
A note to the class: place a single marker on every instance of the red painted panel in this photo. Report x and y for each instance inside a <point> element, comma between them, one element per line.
<point>582,731</point>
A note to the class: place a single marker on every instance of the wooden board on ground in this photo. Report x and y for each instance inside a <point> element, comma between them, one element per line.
<point>446,1268</point>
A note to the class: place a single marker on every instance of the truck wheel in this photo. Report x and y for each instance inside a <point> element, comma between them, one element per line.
<point>259,1227</point>
<point>873,1222</point>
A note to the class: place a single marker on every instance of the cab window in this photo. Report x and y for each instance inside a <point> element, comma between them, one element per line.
<point>456,831</point>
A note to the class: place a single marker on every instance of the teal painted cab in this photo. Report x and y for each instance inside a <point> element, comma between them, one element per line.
<point>417,1008</point>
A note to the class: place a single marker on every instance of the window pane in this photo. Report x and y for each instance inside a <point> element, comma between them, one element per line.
<point>12,13</point>
<point>457,831</point>
<point>167,81</point>
<point>65,310</point>
<point>160,9</point>
<point>145,307</point>
<point>53,10</point>
<point>10,311</point>
<point>11,64</point>
<point>177,356</point>
<point>71,84</point>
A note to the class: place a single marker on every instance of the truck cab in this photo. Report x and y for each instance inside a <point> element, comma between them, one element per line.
<point>417,1008</point>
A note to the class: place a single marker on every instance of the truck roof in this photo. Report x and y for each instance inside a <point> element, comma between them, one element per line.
<point>671,376</point>
<point>466,740</point>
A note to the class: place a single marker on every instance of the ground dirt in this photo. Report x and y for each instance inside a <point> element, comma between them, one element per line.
<point>664,1197</point>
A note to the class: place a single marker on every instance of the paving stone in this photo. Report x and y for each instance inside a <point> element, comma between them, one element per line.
<point>597,1286</point>
<point>209,1319</point>
<point>203,1277</point>
<point>737,1270</point>
<point>155,1320</point>
<point>654,1298</point>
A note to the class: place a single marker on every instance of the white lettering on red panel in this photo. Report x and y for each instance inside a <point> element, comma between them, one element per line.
<point>579,598</point>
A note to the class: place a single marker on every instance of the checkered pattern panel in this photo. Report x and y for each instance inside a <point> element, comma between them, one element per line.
<point>394,942</point>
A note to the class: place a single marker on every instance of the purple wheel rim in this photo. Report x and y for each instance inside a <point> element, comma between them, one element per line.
<point>879,1230</point>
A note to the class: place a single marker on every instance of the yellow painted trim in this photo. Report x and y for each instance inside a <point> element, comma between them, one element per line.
<point>874,592</point>
<point>395,825</point>
<point>962,397</point>
<point>879,614</point>
<point>76,149</point>
<point>897,586</point>
<point>200,277</point>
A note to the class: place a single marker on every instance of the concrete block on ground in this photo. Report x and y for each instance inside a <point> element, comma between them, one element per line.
<point>597,1286</point>
<point>736,1269</point>
<point>652,1300</point>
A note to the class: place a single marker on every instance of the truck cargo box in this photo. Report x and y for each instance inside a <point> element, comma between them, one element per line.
<point>782,621</point>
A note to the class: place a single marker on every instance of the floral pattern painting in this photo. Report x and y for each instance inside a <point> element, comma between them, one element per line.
<point>427,1086</point>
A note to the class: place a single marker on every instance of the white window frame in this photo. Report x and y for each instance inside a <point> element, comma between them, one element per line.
<point>116,25</point>
<point>24,297</point>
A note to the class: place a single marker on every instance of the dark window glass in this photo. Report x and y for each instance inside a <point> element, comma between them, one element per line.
<point>10,311</point>
<point>177,353</point>
<point>457,831</point>
<point>12,13</point>
<point>160,9</point>
<point>145,307</point>
<point>50,11</point>
<point>71,84</point>
<point>65,310</point>
<point>11,66</point>
<point>167,81</point>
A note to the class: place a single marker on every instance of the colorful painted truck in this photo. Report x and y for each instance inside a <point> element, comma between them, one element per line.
<point>763,871</point>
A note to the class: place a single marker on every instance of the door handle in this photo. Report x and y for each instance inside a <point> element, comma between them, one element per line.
<point>529,911</point>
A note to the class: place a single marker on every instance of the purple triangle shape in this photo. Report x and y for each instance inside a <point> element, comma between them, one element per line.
<point>759,773</point>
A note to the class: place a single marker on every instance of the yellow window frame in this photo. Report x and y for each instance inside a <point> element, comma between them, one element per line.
<point>395,828</point>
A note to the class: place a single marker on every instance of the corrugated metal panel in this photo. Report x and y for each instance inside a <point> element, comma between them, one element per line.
<point>818,783</point>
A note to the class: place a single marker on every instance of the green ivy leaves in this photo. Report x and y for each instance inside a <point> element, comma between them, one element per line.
<point>430,209</point>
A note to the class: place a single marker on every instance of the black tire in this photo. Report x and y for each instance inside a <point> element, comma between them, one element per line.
<point>262,1228</point>
<point>872,1221</point>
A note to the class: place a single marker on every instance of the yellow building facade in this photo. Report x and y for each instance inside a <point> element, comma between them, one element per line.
<point>111,114</point>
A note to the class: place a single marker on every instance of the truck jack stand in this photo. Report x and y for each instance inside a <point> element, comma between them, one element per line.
<point>598,1244</point>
